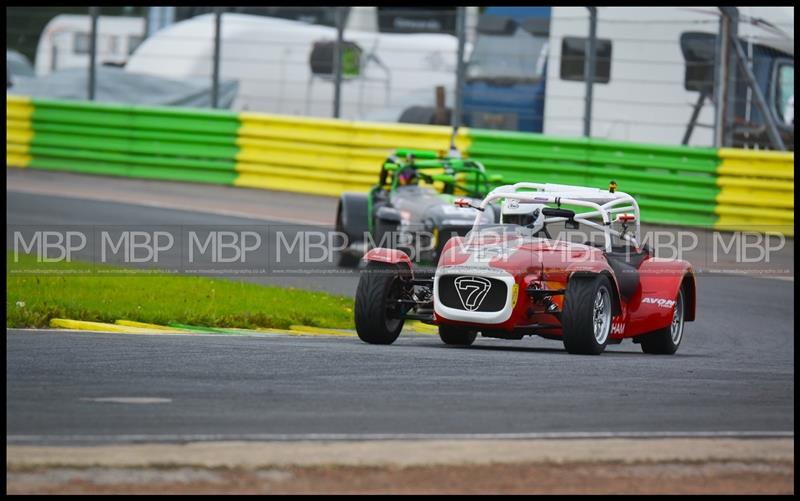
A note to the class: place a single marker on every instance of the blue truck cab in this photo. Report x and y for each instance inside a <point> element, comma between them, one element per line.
<point>506,73</point>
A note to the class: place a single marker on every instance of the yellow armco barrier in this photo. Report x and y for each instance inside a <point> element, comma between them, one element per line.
<point>18,131</point>
<point>325,156</point>
<point>756,191</point>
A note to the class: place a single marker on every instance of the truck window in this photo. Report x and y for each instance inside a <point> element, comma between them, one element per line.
<point>573,56</point>
<point>134,41</point>
<point>511,54</point>
<point>785,93</point>
<point>113,44</point>
<point>698,54</point>
<point>81,43</point>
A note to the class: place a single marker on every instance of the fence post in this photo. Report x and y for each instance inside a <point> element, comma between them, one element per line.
<point>732,15</point>
<point>720,62</point>
<point>589,66</point>
<point>337,61</point>
<point>217,44</point>
<point>94,12</point>
<point>461,32</point>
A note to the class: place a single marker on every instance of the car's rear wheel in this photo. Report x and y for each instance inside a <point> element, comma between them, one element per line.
<point>457,336</point>
<point>587,315</point>
<point>666,341</point>
<point>378,314</point>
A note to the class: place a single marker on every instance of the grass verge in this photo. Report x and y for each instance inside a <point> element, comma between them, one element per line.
<point>32,299</point>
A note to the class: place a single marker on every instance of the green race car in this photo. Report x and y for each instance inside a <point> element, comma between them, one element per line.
<point>411,208</point>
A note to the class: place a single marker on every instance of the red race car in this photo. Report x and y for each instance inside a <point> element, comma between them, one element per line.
<point>513,279</point>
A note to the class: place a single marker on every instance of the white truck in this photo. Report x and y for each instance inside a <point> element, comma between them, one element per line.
<point>642,93</point>
<point>65,41</point>
<point>285,66</point>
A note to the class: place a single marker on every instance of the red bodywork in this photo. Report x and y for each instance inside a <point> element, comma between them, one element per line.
<point>389,256</point>
<point>548,264</point>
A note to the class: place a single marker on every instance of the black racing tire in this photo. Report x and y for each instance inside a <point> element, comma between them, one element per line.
<point>382,228</point>
<point>379,285</point>
<point>586,327</point>
<point>667,340</point>
<point>352,219</point>
<point>457,336</point>
<point>347,259</point>
<point>344,258</point>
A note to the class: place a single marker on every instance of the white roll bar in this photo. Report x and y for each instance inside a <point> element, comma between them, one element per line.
<point>603,202</point>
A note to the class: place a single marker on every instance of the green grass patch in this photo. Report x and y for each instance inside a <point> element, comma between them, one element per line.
<point>71,290</point>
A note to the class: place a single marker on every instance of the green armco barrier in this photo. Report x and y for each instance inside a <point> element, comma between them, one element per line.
<point>134,141</point>
<point>139,117</point>
<point>673,185</point>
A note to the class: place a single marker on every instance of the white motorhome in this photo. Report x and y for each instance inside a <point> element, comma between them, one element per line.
<point>284,66</point>
<point>65,41</point>
<point>641,93</point>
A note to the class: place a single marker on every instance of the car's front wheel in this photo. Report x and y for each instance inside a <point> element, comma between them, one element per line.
<point>378,311</point>
<point>587,315</point>
<point>457,336</point>
<point>666,341</point>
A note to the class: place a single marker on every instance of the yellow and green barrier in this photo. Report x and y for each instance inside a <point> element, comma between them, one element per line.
<point>18,131</point>
<point>673,185</point>
<point>129,141</point>
<point>723,188</point>
<point>323,156</point>
<point>756,191</point>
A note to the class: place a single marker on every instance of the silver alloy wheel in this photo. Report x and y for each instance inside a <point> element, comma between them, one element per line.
<point>676,328</point>
<point>601,315</point>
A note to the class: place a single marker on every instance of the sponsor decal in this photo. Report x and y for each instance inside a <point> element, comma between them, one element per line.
<point>617,328</point>
<point>660,302</point>
<point>472,291</point>
<point>514,294</point>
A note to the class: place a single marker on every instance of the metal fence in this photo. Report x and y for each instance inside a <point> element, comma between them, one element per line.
<point>664,75</point>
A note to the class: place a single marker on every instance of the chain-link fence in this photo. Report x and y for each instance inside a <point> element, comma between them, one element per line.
<point>665,75</point>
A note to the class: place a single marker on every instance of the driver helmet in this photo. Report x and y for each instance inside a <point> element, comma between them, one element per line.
<point>408,176</point>
<point>523,214</point>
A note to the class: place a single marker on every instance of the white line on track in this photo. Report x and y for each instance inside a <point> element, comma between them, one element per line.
<point>280,437</point>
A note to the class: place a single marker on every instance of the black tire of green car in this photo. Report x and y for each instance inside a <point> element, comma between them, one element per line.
<point>667,340</point>
<point>342,257</point>
<point>377,316</point>
<point>457,336</point>
<point>587,303</point>
<point>384,229</point>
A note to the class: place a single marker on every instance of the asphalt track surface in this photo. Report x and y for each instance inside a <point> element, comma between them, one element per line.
<point>734,372</point>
